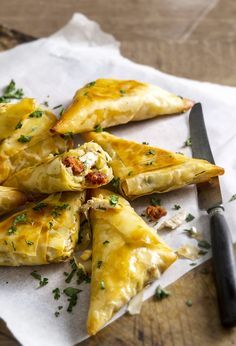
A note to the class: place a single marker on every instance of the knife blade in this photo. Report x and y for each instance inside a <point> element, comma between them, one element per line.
<point>210,199</point>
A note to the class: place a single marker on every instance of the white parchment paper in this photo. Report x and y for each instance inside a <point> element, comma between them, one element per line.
<point>57,66</point>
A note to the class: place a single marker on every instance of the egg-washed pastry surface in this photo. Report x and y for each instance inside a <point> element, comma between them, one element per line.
<point>10,199</point>
<point>78,169</point>
<point>45,232</point>
<point>109,102</point>
<point>143,169</point>
<point>127,254</point>
<point>27,140</point>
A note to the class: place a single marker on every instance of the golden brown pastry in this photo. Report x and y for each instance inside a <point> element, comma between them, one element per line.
<point>127,254</point>
<point>108,102</point>
<point>42,233</point>
<point>10,199</point>
<point>78,169</point>
<point>142,169</point>
<point>31,140</point>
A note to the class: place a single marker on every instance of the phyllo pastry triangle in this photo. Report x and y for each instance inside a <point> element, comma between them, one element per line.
<point>127,254</point>
<point>108,102</point>
<point>76,170</point>
<point>43,233</point>
<point>143,169</point>
<point>10,199</point>
<point>28,139</point>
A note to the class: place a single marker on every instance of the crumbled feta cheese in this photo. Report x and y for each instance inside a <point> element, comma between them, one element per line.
<point>177,220</point>
<point>188,251</point>
<point>89,159</point>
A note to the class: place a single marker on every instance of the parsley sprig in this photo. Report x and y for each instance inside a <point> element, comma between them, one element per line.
<point>11,92</point>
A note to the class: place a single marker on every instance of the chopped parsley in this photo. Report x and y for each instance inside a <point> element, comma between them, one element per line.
<point>99,264</point>
<point>233,198</point>
<point>122,91</point>
<point>89,85</point>
<point>98,128</point>
<point>145,143</point>
<point>155,201</point>
<point>116,183</point>
<point>18,126</point>
<point>24,139</point>
<point>21,218</point>
<point>58,208</point>
<point>102,285</point>
<point>56,293</point>
<point>177,207</point>
<point>150,152</point>
<point>189,303</point>
<point>161,293</point>
<point>61,112</point>
<point>82,276</point>
<point>202,252</point>
<point>37,276</point>
<point>11,92</point>
<point>113,200</point>
<point>189,218</point>
<point>72,273</point>
<point>36,114</point>
<point>72,293</point>
<point>130,173</point>
<point>106,242</point>
<point>193,264</point>
<point>57,313</point>
<point>46,103</point>
<point>29,242</point>
<point>191,232</point>
<point>13,246</point>
<point>40,206</point>
<point>188,142</point>
<point>57,106</point>
<point>204,244</point>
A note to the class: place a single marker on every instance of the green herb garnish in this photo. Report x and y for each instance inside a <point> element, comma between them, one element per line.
<point>56,210</point>
<point>116,183</point>
<point>72,293</point>
<point>56,293</point>
<point>113,200</point>
<point>149,163</point>
<point>82,277</point>
<point>40,206</point>
<point>46,103</point>
<point>176,207</point>
<point>89,85</point>
<point>161,293</point>
<point>18,126</point>
<point>21,218</point>
<point>10,92</point>
<point>57,313</point>
<point>37,276</point>
<point>145,143</point>
<point>189,218</point>
<point>233,198</point>
<point>204,244</point>
<point>188,142</point>
<point>72,273</point>
<point>24,139</point>
<point>150,152</point>
<point>155,201</point>
<point>122,91</point>
<point>36,114</point>
<point>202,252</point>
<point>61,112</point>
<point>106,242</point>
<point>57,106</point>
<point>98,128</point>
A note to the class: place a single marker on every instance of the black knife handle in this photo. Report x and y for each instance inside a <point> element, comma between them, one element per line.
<point>224,266</point>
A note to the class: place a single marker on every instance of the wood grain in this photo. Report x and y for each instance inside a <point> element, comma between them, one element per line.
<point>194,39</point>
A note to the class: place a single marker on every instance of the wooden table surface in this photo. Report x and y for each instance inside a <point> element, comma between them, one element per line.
<point>195,39</point>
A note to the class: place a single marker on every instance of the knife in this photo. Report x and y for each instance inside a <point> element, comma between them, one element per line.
<point>210,199</point>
